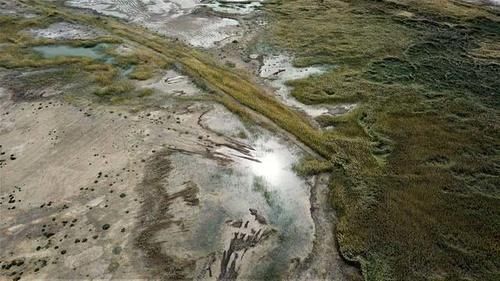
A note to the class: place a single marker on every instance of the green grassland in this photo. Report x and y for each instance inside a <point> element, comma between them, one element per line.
<point>416,184</point>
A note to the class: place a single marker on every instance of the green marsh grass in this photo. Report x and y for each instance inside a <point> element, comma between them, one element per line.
<point>416,178</point>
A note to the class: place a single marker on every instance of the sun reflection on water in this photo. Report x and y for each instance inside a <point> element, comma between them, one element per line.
<point>275,164</point>
<point>271,168</point>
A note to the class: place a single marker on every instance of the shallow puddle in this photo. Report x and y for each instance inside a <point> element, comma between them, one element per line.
<point>52,51</point>
<point>227,194</point>
<point>126,71</point>
<point>97,52</point>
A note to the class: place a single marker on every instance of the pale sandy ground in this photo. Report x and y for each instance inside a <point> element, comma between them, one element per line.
<point>76,163</point>
<point>66,31</point>
<point>84,166</point>
<point>487,2</point>
<point>104,192</point>
<point>15,8</point>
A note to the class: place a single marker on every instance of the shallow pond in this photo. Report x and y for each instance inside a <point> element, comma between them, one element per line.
<point>96,52</point>
<point>52,51</point>
<point>260,179</point>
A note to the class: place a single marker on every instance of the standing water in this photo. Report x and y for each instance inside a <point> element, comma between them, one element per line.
<point>253,209</point>
<point>52,51</point>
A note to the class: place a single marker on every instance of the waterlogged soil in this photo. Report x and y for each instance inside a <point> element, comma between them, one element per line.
<point>278,70</point>
<point>243,199</point>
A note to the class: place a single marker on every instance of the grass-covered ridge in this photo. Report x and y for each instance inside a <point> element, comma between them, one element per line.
<point>417,183</point>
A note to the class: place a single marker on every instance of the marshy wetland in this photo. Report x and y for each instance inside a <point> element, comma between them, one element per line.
<point>250,140</point>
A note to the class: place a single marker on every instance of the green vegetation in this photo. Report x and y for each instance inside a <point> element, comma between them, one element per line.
<point>416,181</point>
<point>102,75</point>
<point>142,73</point>
<point>230,64</point>
<point>312,166</point>
<point>116,88</point>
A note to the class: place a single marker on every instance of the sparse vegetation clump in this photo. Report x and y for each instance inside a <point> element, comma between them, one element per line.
<point>142,73</point>
<point>312,166</point>
<point>116,88</point>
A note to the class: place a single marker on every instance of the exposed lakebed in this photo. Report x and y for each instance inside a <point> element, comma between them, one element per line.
<point>178,18</point>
